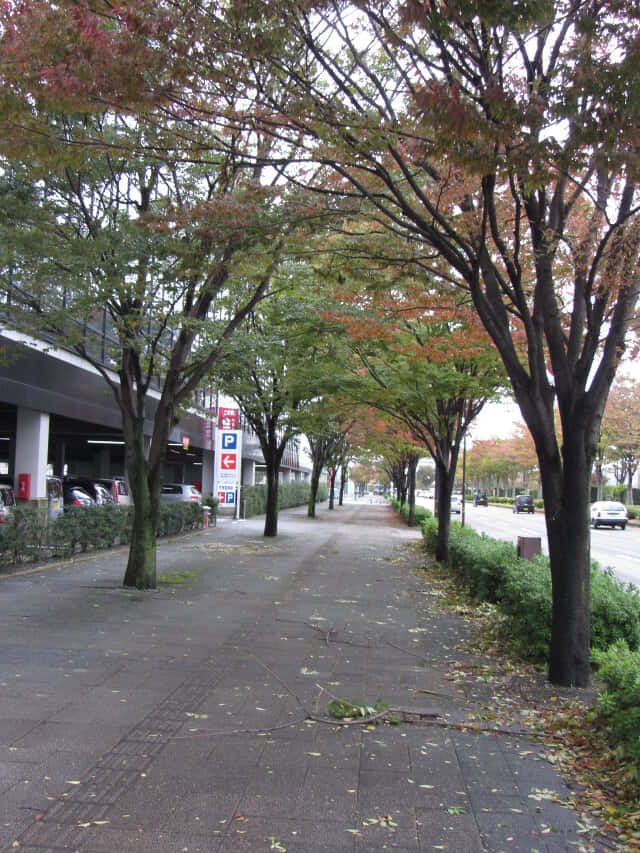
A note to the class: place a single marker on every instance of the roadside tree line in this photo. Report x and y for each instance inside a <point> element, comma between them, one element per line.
<point>461,178</point>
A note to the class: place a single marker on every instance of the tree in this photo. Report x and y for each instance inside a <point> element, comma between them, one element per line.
<point>272,369</point>
<point>169,298</point>
<point>389,441</point>
<point>502,138</point>
<point>327,428</point>
<point>426,364</point>
<point>119,191</point>
<point>623,431</point>
<point>505,460</point>
<point>362,474</point>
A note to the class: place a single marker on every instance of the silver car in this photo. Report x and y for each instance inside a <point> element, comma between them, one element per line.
<point>119,489</point>
<point>609,514</point>
<point>180,492</point>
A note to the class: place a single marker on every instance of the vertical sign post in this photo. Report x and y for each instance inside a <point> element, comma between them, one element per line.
<point>228,459</point>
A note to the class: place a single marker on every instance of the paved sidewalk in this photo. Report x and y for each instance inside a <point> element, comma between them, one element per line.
<point>177,720</point>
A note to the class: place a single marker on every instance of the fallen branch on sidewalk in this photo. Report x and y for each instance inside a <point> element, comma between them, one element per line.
<point>346,713</point>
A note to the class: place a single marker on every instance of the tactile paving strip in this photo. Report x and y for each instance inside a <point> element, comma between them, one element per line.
<point>60,826</point>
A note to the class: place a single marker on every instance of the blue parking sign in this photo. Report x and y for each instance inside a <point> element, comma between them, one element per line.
<point>229,441</point>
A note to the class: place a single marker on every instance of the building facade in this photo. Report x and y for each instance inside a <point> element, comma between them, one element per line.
<point>59,417</point>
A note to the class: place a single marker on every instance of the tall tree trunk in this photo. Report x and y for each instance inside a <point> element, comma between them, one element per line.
<point>141,565</point>
<point>443,499</point>
<point>599,479</point>
<point>146,472</point>
<point>565,486</point>
<point>271,517</point>
<point>343,480</point>
<point>411,489</point>
<point>332,486</point>
<point>316,471</point>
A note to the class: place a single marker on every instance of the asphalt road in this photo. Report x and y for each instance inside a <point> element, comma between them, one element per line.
<point>615,548</point>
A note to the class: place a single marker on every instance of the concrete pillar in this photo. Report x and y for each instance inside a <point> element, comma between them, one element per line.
<point>59,457</point>
<point>207,472</point>
<point>248,472</point>
<point>104,462</point>
<point>32,448</point>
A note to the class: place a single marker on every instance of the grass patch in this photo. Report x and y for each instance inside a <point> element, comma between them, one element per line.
<point>180,577</point>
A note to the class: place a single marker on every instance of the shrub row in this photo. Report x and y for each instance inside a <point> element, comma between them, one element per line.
<point>508,501</point>
<point>421,513</point>
<point>619,702</point>
<point>253,499</point>
<point>28,535</point>
<point>491,570</point>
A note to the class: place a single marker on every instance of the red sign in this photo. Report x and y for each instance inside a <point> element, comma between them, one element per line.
<point>228,461</point>
<point>227,418</point>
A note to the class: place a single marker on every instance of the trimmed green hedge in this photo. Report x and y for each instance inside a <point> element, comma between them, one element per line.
<point>522,591</point>
<point>619,702</point>
<point>492,571</point>
<point>508,501</point>
<point>28,536</point>
<point>253,499</point>
<point>421,513</point>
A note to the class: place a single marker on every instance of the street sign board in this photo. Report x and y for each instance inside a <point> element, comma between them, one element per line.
<point>229,441</point>
<point>228,456</point>
<point>228,461</point>
<point>228,418</point>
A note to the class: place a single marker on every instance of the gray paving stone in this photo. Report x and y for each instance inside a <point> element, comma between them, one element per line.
<point>173,720</point>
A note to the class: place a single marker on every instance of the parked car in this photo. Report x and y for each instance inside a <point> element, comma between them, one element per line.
<point>480,499</point>
<point>456,504</point>
<point>609,514</point>
<point>7,502</point>
<point>523,503</point>
<point>96,490</point>
<point>74,495</point>
<point>180,492</point>
<point>118,488</point>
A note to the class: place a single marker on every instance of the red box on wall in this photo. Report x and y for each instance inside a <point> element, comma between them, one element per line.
<point>24,486</point>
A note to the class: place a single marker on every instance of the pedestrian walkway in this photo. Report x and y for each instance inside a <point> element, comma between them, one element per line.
<point>194,718</point>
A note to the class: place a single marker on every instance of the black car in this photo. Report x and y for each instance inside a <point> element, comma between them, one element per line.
<point>523,503</point>
<point>480,499</point>
<point>76,496</point>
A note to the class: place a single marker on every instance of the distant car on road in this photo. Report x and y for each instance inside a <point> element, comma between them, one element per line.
<point>609,514</point>
<point>523,503</point>
<point>180,492</point>
<point>456,504</point>
<point>480,499</point>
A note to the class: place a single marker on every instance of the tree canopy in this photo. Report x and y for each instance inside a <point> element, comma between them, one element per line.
<point>498,141</point>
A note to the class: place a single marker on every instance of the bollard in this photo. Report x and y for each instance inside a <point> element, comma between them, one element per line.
<point>205,516</point>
